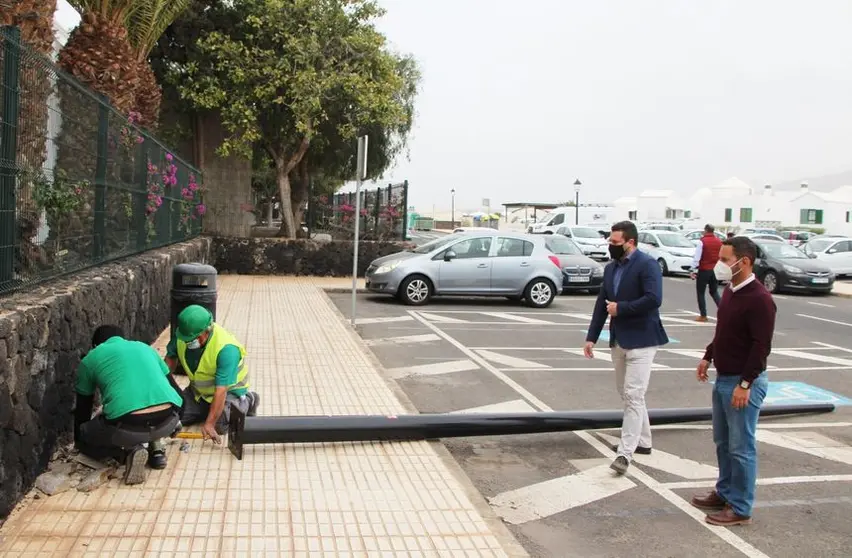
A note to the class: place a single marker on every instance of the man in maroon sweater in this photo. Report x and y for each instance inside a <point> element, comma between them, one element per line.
<point>745,323</point>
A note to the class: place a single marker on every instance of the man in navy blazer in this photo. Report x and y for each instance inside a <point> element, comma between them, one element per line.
<point>630,296</point>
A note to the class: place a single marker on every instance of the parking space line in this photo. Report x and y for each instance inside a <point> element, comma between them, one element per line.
<point>737,542</point>
<point>447,367</point>
<point>516,318</point>
<point>821,304</point>
<point>514,406</point>
<point>766,425</point>
<point>805,444</point>
<point>442,319</point>
<point>824,320</point>
<point>670,463</point>
<point>828,346</point>
<point>403,340</point>
<point>763,482</point>
<point>606,357</point>
<point>382,320</point>
<point>815,357</point>
<point>510,361</point>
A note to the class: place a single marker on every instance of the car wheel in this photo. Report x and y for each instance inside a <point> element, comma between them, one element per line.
<point>540,293</point>
<point>770,281</point>
<point>664,269</point>
<point>415,290</point>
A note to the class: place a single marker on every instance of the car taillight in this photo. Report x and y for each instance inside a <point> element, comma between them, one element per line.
<point>555,261</point>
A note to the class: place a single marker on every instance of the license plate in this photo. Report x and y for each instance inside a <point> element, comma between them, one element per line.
<point>820,279</point>
<point>578,279</point>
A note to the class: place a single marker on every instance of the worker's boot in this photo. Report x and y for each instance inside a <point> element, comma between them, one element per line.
<point>157,455</point>
<point>134,465</point>
<point>254,404</point>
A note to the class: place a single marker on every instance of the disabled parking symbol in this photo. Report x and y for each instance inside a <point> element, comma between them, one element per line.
<point>800,393</point>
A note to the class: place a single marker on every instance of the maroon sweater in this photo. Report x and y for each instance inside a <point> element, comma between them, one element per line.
<point>745,323</point>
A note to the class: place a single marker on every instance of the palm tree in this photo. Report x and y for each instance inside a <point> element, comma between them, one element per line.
<point>148,22</point>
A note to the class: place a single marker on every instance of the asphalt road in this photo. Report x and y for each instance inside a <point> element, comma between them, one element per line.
<point>556,492</point>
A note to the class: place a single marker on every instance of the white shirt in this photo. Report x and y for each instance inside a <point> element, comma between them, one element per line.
<point>748,280</point>
<point>699,249</point>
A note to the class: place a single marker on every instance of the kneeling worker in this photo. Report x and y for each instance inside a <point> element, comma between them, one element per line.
<point>141,403</point>
<point>214,362</point>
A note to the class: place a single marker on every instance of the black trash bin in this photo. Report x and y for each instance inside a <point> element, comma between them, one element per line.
<point>192,283</point>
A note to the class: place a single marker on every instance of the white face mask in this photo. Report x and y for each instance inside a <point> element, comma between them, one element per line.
<point>194,344</point>
<point>723,271</point>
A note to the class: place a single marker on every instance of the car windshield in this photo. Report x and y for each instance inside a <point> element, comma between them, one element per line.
<point>435,244</point>
<point>675,241</point>
<point>561,245</point>
<point>585,232</point>
<point>820,244</point>
<point>785,251</point>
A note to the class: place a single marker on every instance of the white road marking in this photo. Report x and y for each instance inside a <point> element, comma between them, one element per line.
<point>442,319</point>
<point>554,496</point>
<point>827,346</point>
<point>731,538</point>
<point>694,313</point>
<point>824,320</point>
<point>809,444</point>
<point>685,322</point>
<point>669,463</point>
<point>516,318</point>
<point>510,361</point>
<point>403,340</point>
<point>821,304</point>
<point>686,352</point>
<point>383,320</point>
<point>810,356</point>
<point>607,357</point>
<point>768,426</point>
<point>763,482</point>
<point>447,367</point>
<point>514,406</point>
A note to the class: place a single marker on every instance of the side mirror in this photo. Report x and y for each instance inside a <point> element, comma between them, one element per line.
<point>812,256</point>
<point>832,251</point>
<point>449,255</point>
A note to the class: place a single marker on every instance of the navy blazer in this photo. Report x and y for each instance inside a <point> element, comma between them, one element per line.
<point>640,294</point>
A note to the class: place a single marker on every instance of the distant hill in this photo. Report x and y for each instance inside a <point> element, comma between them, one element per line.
<point>823,183</point>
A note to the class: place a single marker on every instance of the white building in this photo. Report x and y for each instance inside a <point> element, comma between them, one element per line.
<point>735,205</point>
<point>651,205</point>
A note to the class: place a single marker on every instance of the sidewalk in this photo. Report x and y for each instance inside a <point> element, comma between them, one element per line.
<point>344,499</point>
<point>842,288</point>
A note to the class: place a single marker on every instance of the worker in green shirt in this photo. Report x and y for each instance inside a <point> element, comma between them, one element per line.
<point>214,362</point>
<point>141,403</point>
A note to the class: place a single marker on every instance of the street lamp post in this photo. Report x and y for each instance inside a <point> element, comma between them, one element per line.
<point>577,185</point>
<point>453,208</point>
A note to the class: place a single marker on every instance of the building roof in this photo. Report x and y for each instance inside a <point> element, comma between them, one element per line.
<point>536,205</point>
<point>732,183</point>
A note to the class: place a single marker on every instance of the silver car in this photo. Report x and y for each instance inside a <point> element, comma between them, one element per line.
<point>515,265</point>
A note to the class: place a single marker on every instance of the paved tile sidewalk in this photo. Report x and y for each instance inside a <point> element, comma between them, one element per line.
<point>346,499</point>
<point>843,289</point>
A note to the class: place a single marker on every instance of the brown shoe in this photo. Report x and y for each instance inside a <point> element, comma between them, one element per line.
<point>726,518</point>
<point>711,501</point>
<point>701,318</point>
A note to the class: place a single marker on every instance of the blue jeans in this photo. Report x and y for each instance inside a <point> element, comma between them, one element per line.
<point>736,445</point>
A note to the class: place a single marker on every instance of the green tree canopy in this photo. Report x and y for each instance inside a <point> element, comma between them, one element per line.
<point>292,75</point>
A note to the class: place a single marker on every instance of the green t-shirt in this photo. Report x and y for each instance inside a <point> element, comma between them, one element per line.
<point>227,363</point>
<point>130,375</point>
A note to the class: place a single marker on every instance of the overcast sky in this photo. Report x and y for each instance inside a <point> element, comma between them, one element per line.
<point>520,98</point>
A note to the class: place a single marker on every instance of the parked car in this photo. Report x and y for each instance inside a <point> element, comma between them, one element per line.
<point>673,251</point>
<point>579,272</point>
<point>589,240</point>
<point>515,265</point>
<point>670,227</point>
<point>695,236</point>
<point>781,267</point>
<point>796,238</point>
<point>835,252</point>
<point>764,236</point>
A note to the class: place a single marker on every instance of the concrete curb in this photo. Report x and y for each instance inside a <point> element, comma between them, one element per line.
<point>511,546</point>
<point>841,295</point>
<point>344,290</point>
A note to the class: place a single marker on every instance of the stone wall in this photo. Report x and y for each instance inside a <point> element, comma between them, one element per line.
<point>275,256</point>
<point>45,332</point>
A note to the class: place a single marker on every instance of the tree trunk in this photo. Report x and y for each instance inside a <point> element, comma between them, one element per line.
<point>269,212</point>
<point>283,167</point>
<point>299,190</point>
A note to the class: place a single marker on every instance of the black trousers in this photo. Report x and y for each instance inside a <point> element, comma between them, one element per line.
<point>101,438</point>
<point>704,279</point>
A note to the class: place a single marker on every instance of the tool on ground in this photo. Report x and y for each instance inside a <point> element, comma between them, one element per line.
<point>190,435</point>
<point>357,428</point>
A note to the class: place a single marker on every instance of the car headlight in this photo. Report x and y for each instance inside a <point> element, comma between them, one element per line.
<point>598,271</point>
<point>388,267</point>
<point>792,269</point>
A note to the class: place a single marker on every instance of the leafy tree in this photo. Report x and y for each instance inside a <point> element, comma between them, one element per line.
<point>289,75</point>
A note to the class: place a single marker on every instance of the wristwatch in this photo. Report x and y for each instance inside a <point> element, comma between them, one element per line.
<point>745,384</point>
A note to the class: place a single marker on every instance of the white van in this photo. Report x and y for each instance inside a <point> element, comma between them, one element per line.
<point>549,223</point>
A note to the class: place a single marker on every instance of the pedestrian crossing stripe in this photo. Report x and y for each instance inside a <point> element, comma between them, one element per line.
<point>605,337</point>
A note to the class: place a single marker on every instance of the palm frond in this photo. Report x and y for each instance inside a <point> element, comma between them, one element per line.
<point>149,20</point>
<point>116,11</point>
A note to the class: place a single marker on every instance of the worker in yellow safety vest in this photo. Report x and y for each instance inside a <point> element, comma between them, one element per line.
<point>214,362</point>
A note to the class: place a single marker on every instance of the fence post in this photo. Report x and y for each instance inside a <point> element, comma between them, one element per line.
<point>311,205</point>
<point>8,151</point>
<point>99,226</point>
<point>376,230</point>
<point>405,210</point>
<point>140,198</point>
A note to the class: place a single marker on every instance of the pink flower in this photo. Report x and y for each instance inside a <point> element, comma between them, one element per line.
<point>169,157</point>
<point>193,186</point>
<point>201,209</point>
<point>159,201</point>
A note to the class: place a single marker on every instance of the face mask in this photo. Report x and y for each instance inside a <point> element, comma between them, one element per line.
<point>724,272</point>
<point>194,344</point>
<point>616,251</point>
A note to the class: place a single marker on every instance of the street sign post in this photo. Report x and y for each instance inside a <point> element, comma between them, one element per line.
<point>361,174</point>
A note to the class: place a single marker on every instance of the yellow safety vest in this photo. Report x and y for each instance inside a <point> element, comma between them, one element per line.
<point>203,379</point>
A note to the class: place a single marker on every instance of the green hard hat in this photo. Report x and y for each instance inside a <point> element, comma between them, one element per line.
<point>192,321</point>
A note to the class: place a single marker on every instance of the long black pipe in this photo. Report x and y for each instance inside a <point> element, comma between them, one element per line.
<point>353,428</point>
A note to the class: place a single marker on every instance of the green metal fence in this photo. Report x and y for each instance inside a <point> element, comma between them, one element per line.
<point>80,184</point>
<point>383,213</point>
